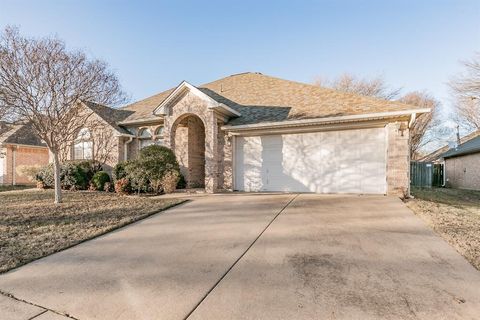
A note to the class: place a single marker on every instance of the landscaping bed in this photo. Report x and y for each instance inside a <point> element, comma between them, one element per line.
<point>454,214</point>
<point>31,226</point>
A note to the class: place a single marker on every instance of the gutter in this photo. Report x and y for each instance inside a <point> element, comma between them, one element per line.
<point>140,121</point>
<point>328,120</point>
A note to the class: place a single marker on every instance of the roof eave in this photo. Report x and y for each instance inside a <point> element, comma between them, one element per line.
<point>406,114</point>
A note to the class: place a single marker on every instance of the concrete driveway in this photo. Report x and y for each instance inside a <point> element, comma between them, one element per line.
<point>246,256</point>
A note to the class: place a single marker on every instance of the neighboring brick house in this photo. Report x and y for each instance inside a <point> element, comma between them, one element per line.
<point>252,132</point>
<point>462,164</point>
<point>19,146</point>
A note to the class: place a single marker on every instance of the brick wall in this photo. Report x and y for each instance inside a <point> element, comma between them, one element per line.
<point>398,159</point>
<point>463,172</point>
<point>22,155</point>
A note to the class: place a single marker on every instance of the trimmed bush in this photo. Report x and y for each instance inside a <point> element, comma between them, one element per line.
<point>44,177</point>
<point>118,171</point>
<point>99,179</point>
<point>147,171</point>
<point>122,186</point>
<point>71,177</point>
<point>89,167</point>
<point>182,183</point>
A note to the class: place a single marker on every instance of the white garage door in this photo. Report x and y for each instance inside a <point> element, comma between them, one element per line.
<point>349,161</point>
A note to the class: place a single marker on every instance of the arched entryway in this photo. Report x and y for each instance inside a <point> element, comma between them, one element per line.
<point>188,142</point>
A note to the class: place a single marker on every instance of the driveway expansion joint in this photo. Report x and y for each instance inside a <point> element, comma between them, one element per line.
<point>240,257</point>
<point>9,295</point>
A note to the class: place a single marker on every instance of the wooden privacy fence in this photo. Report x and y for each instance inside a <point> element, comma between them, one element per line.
<point>426,174</point>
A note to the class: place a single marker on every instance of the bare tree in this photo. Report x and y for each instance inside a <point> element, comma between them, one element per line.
<point>466,91</point>
<point>44,83</point>
<point>375,87</point>
<point>423,130</point>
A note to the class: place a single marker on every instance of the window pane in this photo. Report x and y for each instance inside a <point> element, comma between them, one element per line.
<point>146,142</point>
<point>159,131</point>
<point>78,151</point>
<point>87,150</point>
<point>145,133</point>
<point>83,134</point>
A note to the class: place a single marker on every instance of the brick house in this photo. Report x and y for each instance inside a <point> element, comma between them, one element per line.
<point>248,132</point>
<point>462,164</point>
<point>19,146</point>
<point>252,132</point>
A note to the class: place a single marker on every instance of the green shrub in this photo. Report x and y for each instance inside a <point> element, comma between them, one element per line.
<point>118,171</point>
<point>45,176</point>
<point>90,167</point>
<point>99,179</point>
<point>147,171</point>
<point>182,183</point>
<point>72,176</point>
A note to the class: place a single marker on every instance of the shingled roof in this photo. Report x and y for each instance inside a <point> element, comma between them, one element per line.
<point>438,154</point>
<point>19,134</point>
<point>261,98</point>
<point>110,115</point>
<point>469,147</point>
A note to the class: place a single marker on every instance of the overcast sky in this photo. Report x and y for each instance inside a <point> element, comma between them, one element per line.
<point>154,45</point>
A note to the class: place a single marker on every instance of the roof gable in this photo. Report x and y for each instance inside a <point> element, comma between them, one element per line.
<point>181,90</point>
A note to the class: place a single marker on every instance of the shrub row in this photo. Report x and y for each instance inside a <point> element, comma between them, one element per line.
<point>74,176</point>
<point>155,170</point>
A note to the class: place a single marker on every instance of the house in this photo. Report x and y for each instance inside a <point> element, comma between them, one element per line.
<point>462,165</point>
<point>19,146</point>
<point>436,156</point>
<point>253,132</point>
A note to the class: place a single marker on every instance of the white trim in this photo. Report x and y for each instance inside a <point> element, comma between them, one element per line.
<point>140,121</point>
<point>22,145</point>
<point>161,109</point>
<point>413,117</point>
<point>322,121</point>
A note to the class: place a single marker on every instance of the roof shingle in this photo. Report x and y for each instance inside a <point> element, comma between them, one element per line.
<point>261,98</point>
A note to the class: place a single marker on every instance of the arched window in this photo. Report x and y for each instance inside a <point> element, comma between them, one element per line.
<point>145,136</point>
<point>83,147</point>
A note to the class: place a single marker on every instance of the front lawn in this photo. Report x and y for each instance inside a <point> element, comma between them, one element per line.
<point>454,214</point>
<point>8,187</point>
<point>31,226</point>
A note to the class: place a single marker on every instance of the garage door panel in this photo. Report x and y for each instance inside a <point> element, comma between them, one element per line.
<point>351,161</point>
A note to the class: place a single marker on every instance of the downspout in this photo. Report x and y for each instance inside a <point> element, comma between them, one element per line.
<point>125,146</point>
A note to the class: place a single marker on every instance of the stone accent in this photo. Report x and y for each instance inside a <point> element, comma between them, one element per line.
<point>22,155</point>
<point>191,106</point>
<point>463,172</point>
<point>398,159</point>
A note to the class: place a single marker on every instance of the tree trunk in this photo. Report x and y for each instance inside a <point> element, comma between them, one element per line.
<point>56,175</point>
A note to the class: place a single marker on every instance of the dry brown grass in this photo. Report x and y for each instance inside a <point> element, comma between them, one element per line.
<point>31,226</point>
<point>454,214</point>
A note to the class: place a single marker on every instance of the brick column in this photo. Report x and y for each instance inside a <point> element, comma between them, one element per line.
<point>398,159</point>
